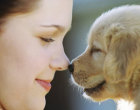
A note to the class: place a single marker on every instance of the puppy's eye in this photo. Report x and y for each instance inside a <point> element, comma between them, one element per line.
<point>47,39</point>
<point>95,50</point>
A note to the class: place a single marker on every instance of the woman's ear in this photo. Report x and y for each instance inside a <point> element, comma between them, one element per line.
<point>122,46</point>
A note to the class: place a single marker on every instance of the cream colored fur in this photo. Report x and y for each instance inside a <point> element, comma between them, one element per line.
<point>113,56</point>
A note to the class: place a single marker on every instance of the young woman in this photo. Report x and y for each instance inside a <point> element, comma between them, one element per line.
<point>31,50</point>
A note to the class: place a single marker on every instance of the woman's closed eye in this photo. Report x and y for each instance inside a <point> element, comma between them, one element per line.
<point>47,39</point>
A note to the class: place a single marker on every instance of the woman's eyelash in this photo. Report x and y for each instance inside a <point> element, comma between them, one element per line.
<point>47,39</point>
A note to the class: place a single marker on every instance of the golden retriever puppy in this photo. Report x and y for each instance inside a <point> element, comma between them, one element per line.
<point>110,66</point>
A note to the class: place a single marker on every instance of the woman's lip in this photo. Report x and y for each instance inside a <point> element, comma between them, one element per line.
<point>45,84</point>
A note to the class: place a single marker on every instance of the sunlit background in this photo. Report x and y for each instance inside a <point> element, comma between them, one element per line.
<point>64,95</point>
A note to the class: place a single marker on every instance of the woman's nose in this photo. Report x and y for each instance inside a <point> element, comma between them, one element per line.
<point>60,62</point>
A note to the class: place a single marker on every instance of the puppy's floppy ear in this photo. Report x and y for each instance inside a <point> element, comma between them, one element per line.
<point>122,46</point>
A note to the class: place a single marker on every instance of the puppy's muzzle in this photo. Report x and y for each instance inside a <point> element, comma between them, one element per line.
<point>71,68</point>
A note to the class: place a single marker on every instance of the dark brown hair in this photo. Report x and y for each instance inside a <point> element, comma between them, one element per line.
<point>8,7</point>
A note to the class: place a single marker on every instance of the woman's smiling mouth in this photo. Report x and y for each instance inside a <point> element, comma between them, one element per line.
<point>45,84</point>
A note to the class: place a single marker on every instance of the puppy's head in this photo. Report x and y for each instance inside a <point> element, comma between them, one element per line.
<point>106,68</point>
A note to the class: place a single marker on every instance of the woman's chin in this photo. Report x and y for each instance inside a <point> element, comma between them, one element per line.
<point>37,104</point>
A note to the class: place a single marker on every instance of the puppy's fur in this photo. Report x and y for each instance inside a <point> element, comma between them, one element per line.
<point>110,66</point>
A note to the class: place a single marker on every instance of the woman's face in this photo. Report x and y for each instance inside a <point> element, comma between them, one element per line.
<point>31,50</point>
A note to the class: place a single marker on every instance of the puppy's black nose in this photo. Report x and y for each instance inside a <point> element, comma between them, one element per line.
<point>71,68</point>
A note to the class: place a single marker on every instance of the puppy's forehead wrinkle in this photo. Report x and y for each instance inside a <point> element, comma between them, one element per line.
<point>97,44</point>
<point>93,37</point>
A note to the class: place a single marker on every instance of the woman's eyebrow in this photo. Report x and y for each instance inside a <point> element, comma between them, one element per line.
<point>58,27</point>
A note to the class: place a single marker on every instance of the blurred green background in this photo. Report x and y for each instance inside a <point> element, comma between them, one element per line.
<point>64,95</point>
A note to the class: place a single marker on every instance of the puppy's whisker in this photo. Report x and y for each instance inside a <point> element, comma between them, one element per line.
<point>74,85</point>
